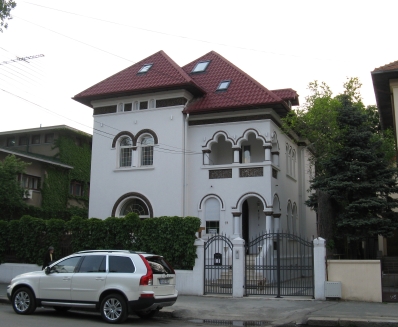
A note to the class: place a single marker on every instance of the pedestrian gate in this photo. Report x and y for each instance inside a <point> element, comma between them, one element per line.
<point>279,264</point>
<point>218,265</point>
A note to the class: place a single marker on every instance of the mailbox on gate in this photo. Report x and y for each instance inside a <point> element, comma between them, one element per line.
<point>217,259</point>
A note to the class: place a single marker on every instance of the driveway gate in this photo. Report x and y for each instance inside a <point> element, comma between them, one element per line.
<point>389,279</point>
<point>218,265</point>
<point>280,264</point>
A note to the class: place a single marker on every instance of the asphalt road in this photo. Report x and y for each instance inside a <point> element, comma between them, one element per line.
<point>48,317</point>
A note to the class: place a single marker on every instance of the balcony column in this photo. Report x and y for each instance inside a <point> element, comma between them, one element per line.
<point>236,155</point>
<point>267,149</point>
<point>134,157</point>
<point>275,158</point>
<point>277,222</point>
<point>206,157</point>
<point>236,216</point>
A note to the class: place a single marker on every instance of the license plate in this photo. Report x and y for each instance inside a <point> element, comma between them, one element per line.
<point>164,281</point>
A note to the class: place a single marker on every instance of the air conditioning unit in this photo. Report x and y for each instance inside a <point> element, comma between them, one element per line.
<point>28,194</point>
<point>333,289</point>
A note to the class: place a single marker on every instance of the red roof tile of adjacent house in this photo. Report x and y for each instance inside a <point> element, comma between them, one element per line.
<point>390,66</point>
<point>243,91</point>
<point>164,74</point>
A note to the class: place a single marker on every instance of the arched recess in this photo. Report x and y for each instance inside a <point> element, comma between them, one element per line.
<point>123,133</point>
<point>276,205</point>
<point>245,136</point>
<point>146,131</point>
<point>214,139</point>
<point>248,195</point>
<point>295,219</point>
<point>289,225</point>
<point>135,199</point>
<point>211,196</point>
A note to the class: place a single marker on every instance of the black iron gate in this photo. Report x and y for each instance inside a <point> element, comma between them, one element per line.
<point>218,265</point>
<point>279,264</point>
<point>389,279</point>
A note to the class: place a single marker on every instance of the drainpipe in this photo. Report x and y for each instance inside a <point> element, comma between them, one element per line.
<point>184,188</point>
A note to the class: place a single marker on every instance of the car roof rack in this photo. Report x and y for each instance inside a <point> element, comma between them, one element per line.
<point>94,251</point>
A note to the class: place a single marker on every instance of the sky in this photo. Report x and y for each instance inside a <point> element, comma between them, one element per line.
<point>281,44</point>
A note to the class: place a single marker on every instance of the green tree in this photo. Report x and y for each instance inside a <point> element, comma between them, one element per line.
<point>11,192</point>
<point>353,160</point>
<point>5,12</point>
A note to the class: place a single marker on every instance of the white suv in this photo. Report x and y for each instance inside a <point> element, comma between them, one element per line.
<point>115,282</point>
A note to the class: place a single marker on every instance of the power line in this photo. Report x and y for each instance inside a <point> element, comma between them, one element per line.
<point>25,59</point>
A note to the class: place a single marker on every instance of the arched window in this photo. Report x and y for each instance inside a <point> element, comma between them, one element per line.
<point>135,205</point>
<point>294,219</point>
<point>289,218</point>
<point>212,216</point>
<point>126,149</point>
<point>147,150</point>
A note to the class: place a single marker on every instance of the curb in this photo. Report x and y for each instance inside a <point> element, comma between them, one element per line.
<point>357,322</point>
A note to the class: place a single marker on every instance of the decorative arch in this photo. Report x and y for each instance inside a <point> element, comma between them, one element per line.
<point>146,131</point>
<point>126,197</point>
<point>211,196</point>
<point>119,135</point>
<point>248,195</point>
<point>245,136</point>
<point>215,137</point>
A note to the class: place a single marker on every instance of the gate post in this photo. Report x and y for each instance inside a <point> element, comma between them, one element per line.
<point>319,268</point>
<point>238,264</point>
<point>199,268</point>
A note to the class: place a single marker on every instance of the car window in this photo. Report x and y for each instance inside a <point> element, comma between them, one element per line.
<point>93,264</point>
<point>159,265</point>
<point>120,265</point>
<point>66,266</point>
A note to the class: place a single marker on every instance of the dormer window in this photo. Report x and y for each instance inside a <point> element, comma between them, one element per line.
<point>223,85</point>
<point>200,67</point>
<point>145,68</point>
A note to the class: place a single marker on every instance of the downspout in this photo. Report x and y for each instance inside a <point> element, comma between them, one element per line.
<point>184,187</point>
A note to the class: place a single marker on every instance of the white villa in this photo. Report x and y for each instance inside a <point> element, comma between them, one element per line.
<point>199,140</point>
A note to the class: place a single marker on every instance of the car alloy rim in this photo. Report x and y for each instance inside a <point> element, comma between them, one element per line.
<point>22,301</point>
<point>112,309</point>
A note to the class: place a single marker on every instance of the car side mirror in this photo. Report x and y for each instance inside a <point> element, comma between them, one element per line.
<point>47,270</point>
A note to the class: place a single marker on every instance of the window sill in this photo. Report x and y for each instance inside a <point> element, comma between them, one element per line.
<point>240,165</point>
<point>291,177</point>
<point>134,168</point>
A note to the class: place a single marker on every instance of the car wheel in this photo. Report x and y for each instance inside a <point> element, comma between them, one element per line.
<point>114,309</point>
<point>61,309</point>
<point>147,314</point>
<point>23,301</point>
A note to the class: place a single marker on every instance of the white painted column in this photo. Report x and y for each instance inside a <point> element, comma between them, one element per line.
<point>236,155</point>
<point>267,149</point>
<point>206,157</point>
<point>134,159</point>
<point>319,268</point>
<point>268,222</point>
<point>277,222</point>
<point>236,216</point>
<point>199,269</point>
<point>238,271</point>
<point>275,158</point>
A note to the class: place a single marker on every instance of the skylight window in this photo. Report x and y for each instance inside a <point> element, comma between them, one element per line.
<point>223,85</point>
<point>200,66</point>
<point>145,68</point>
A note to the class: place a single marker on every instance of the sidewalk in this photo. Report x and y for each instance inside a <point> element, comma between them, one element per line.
<point>286,311</point>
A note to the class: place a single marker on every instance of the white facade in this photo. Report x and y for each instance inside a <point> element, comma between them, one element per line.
<point>198,161</point>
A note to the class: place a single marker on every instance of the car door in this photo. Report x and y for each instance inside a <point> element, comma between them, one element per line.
<point>89,279</point>
<point>57,284</point>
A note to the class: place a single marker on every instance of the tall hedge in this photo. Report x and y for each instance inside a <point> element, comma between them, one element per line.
<point>172,237</point>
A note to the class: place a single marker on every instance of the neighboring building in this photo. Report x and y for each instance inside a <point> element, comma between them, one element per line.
<point>53,154</point>
<point>385,84</point>
<point>200,140</point>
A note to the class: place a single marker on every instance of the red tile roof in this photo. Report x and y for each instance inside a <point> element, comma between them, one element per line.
<point>243,92</point>
<point>390,66</point>
<point>164,74</point>
<point>287,95</point>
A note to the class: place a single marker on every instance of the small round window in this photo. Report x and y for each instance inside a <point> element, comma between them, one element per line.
<point>137,206</point>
